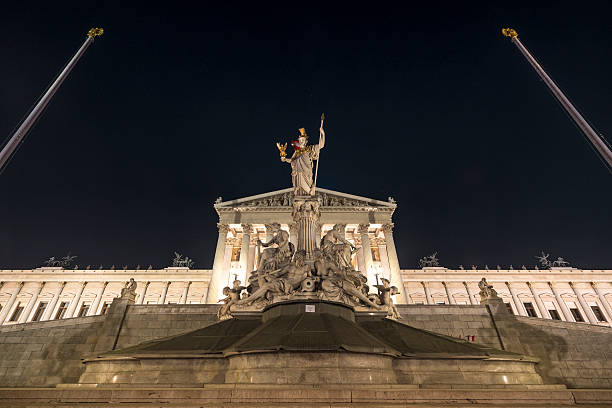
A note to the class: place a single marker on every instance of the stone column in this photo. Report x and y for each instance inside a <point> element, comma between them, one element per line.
<point>250,262</point>
<point>469,292</point>
<point>75,301</point>
<point>367,253</point>
<point>543,311</point>
<point>396,277</point>
<point>268,232</point>
<point>293,234</point>
<point>51,306</point>
<point>428,298</point>
<point>93,310</point>
<point>384,259</point>
<point>5,310</point>
<point>218,273</point>
<point>603,300</point>
<point>451,299</point>
<point>162,297</point>
<point>587,309</point>
<point>520,308</point>
<point>562,305</point>
<point>185,293</point>
<point>244,251</point>
<point>318,232</point>
<point>306,215</point>
<point>144,293</point>
<point>28,309</point>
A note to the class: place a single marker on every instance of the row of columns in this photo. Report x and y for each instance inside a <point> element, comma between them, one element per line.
<point>74,302</point>
<point>220,269</point>
<point>520,307</point>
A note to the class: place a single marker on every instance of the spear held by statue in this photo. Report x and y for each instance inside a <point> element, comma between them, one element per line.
<point>321,135</point>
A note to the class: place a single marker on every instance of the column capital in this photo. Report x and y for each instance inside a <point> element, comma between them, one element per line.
<point>528,284</point>
<point>425,284</point>
<point>363,228</point>
<point>595,284</point>
<point>388,228</point>
<point>443,283</point>
<point>465,283</point>
<point>223,227</point>
<point>571,284</point>
<point>247,228</point>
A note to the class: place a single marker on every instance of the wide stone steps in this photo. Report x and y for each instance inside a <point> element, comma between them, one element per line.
<point>301,396</point>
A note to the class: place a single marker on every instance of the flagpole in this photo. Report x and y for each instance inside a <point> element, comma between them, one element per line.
<point>593,137</point>
<point>314,185</point>
<point>26,125</point>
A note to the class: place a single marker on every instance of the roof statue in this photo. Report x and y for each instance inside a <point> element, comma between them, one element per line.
<point>429,261</point>
<point>544,261</point>
<point>181,261</point>
<point>560,262</point>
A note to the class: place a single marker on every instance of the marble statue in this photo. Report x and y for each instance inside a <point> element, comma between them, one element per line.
<point>317,270</point>
<point>336,246</point>
<point>232,296</point>
<point>283,281</point>
<point>129,289</point>
<point>277,252</point>
<point>486,290</point>
<point>385,292</point>
<point>302,162</point>
<point>340,284</point>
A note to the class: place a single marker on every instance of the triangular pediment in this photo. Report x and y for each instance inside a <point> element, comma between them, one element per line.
<point>284,198</point>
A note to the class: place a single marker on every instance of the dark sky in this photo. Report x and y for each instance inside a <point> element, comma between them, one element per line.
<point>177,104</point>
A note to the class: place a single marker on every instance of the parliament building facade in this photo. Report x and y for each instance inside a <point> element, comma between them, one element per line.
<point>50,293</point>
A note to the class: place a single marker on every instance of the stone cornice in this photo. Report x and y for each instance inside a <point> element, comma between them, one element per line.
<point>507,275</point>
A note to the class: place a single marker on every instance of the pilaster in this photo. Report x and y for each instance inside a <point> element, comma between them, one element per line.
<point>564,310</point>
<point>9,305</point>
<point>587,310</point>
<point>28,309</point>
<point>543,311</point>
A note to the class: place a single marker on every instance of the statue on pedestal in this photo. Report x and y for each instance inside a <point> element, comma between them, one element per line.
<point>281,282</point>
<point>274,256</point>
<point>486,290</point>
<point>336,246</point>
<point>129,290</point>
<point>302,161</point>
<point>232,296</point>
<point>385,292</point>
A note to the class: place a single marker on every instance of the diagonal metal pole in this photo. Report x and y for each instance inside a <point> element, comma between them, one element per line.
<point>26,125</point>
<point>593,137</point>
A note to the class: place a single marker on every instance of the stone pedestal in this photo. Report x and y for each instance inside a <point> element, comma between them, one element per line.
<point>113,322</point>
<point>306,216</point>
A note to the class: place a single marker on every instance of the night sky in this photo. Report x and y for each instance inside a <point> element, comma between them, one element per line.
<point>179,104</point>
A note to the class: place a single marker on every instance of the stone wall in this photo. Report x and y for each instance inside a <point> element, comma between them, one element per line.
<point>467,322</point>
<point>46,353</point>
<point>578,355</point>
<point>148,322</point>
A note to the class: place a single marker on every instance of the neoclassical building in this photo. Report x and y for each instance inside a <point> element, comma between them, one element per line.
<point>567,294</point>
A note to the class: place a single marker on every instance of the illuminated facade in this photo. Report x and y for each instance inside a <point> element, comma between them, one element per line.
<point>566,294</point>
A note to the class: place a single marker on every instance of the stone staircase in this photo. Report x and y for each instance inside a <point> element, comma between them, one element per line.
<point>336,396</point>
